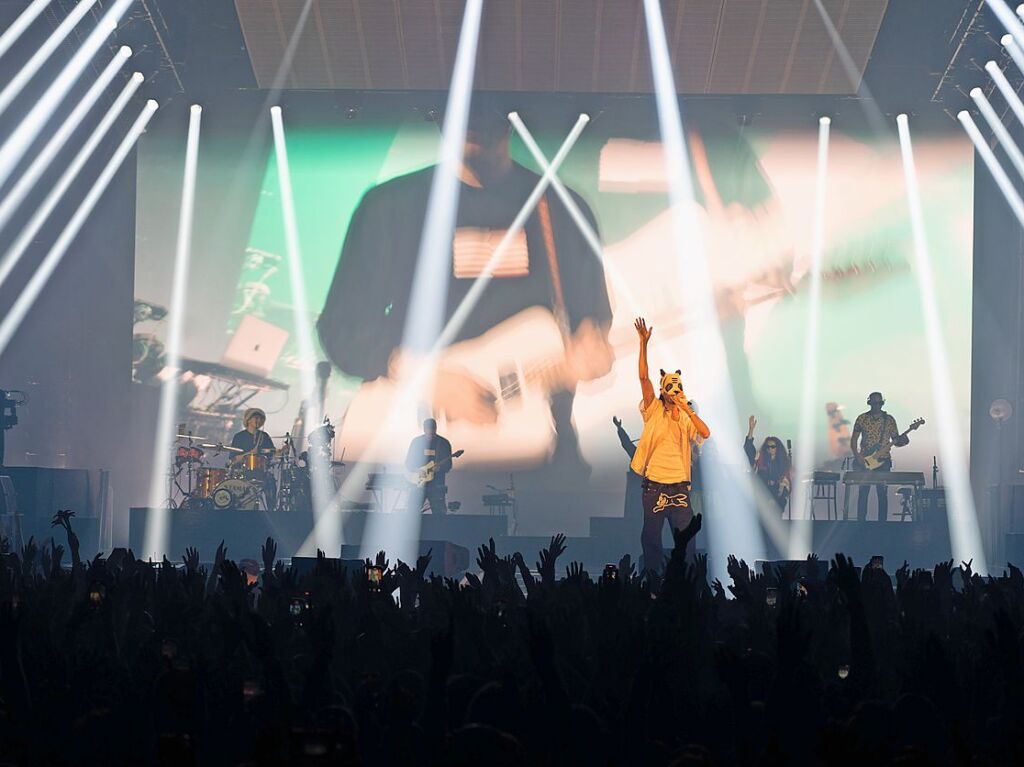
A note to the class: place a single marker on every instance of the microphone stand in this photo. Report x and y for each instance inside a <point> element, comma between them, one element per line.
<point>789,501</point>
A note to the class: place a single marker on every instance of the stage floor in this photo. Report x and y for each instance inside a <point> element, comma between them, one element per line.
<point>921,543</point>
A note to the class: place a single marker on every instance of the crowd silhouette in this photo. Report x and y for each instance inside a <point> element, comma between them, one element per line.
<point>118,661</point>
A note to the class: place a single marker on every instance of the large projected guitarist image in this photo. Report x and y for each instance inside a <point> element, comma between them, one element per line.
<point>875,434</point>
<point>504,389</point>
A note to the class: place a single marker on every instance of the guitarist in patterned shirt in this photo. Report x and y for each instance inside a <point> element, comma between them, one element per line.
<point>875,432</point>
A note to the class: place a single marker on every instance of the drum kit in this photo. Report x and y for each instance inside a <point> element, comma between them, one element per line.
<point>258,480</point>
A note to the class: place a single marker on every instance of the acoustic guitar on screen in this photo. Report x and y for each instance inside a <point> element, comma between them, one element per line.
<point>875,458</point>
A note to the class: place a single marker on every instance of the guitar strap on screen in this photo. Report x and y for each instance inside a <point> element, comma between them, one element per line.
<point>561,316</point>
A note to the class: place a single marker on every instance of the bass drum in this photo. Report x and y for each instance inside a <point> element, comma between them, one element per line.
<point>237,494</point>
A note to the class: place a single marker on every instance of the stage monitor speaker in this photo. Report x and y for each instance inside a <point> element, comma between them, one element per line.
<point>305,565</point>
<point>814,570</point>
<point>447,559</point>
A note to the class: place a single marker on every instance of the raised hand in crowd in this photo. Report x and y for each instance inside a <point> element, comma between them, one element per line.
<point>325,657</point>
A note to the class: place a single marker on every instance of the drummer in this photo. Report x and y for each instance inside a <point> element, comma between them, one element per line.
<point>252,439</point>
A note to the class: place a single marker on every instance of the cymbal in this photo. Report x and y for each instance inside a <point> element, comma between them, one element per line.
<point>249,452</point>
<point>193,437</point>
<point>219,447</point>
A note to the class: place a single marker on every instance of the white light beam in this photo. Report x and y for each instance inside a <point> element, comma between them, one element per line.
<point>13,32</point>
<point>419,376</point>
<point>1012,151</point>
<point>1006,89</point>
<point>155,541</point>
<point>17,250</point>
<point>988,157</point>
<point>433,262</point>
<point>740,533</point>
<point>853,72</point>
<point>32,66</point>
<point>1014,49</point>
<point>1008,19</point>
<point>801,541</point>
<point>60,138</point>
<point>13,319</point>
<point>330,532</point>
<point>963,521</point>
<point>28,129</point>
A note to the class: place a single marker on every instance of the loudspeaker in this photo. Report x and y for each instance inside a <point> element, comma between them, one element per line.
<point>447,559</point>
<point>814,570</point>
<point>303,566</point>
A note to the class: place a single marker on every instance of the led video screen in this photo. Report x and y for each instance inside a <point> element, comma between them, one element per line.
<point>555,322</point>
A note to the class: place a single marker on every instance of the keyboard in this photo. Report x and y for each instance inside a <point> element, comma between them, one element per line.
<point>914,478</point>
<point>387,482</point>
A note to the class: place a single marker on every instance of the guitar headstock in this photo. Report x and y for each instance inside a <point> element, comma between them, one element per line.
<point>915,424</point>
<point>458,453</point>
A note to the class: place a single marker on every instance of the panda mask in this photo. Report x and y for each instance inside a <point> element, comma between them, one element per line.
<point>671,386</point>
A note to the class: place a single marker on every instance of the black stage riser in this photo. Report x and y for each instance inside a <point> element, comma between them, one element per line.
<point>244,532</point>
<point>921,544</point>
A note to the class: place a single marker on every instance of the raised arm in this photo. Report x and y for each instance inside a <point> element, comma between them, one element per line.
<point>646,386</point>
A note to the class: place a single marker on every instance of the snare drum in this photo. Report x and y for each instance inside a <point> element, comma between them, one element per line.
<point>251,463</point>
<point>209,478</point>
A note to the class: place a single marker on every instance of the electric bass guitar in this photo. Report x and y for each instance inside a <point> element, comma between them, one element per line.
<point>875,458</point>
<point>427,472</point>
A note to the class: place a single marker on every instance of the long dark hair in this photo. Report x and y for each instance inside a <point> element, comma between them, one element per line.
<point>780,466</point>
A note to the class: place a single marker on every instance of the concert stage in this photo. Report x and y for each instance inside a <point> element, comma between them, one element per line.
<point>244,532</point>
<point>921,543</point>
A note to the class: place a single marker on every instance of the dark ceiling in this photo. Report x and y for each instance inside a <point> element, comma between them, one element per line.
<point>721,47</point>
<point>913,54</point>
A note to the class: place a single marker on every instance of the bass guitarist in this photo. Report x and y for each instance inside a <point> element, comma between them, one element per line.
<point>874,434</point>
<point>430,448</point>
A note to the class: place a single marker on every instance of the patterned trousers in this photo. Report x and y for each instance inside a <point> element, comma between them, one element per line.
<point>664,500</point>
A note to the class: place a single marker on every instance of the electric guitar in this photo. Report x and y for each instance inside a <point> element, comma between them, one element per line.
<point>880,454</point>
<point>427,472</point>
